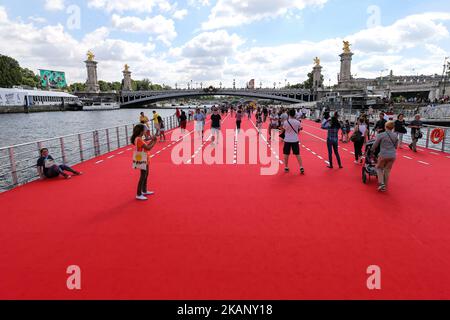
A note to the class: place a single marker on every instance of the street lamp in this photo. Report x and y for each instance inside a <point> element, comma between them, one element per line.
<point>444,74</point>
<point>274,85</point>
<point>260,84</point>
<point>220,85</point>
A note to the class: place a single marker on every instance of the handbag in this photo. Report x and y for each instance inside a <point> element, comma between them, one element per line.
<point>418,134</point>
<point>140,160</point>
<point>356,136</point>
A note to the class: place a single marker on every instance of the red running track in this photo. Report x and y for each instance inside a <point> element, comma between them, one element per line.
<point>226,232</point>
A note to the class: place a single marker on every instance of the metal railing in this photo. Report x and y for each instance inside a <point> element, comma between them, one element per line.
<point>18,162</point>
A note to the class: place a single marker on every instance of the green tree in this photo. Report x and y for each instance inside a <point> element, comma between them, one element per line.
<point>10,72</point>
<point>29,78</point>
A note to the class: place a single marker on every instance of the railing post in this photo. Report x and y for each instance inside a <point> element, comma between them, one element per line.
<point>118,137</point>
<point>39,145</point>
<point>63,152</point>
<point>443,141</point>
<point>428,138</point>
<point>126,135</point>
<point>108,141</point>
<point>12,162</point>
<point>96,143</point>
<point>80,143</point>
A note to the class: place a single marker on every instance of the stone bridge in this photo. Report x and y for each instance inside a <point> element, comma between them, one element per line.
<point>133,99</point>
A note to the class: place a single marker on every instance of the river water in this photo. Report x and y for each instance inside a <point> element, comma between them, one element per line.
<point>22,128</point>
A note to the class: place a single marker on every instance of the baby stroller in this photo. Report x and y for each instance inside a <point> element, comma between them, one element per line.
<point>370,162</point>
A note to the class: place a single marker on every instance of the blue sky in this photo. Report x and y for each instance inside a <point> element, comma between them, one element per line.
<point>211,41</point>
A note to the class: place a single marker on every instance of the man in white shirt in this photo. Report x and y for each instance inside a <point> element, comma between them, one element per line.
<point>292,128</point>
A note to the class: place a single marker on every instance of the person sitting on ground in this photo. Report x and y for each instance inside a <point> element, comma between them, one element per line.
<point>48,169</point>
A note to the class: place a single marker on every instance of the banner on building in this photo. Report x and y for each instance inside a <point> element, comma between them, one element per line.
<point>53,79</point>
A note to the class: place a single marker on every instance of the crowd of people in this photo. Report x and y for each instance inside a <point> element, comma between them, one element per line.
<point>385,138</point>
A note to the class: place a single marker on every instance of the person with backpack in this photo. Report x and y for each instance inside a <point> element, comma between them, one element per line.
<point>359,137</point>
<point>416,134</point>
<point>388,142</point>
<point>333,126</point>
<point>400,129</point>
<point>291,129</point>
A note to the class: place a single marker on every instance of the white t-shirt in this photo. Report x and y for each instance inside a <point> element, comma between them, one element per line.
<point>292,129</point>
<point>362,129</point>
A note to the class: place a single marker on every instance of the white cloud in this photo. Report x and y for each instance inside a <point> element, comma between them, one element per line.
<point>198,3</point>
<point>54,5</point>
<point>231,13</point>
<point>214,56</point>
<point>37,19</point>
<point>160,26</point>
<point>180,14</point>
<point>404,33</point>
<point>3,14</point>
<point>142,6</point>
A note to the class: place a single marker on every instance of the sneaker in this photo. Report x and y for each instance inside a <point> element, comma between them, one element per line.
<point>141,198</point>
<point>356,162</point>
<point>67,177</point>
<point>330,167</point>
<point>410,146</point>
<point>79,173</point>
<point>286,169</point>
<point>148,193</point>
<point>341,167</point>
<point>381,188</point>
<point>302,170</point>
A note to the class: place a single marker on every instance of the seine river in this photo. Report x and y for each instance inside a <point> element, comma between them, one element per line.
<point>21,128</point>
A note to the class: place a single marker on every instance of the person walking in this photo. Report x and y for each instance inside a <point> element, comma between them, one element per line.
<point>238,120</point>
<point>199,120</point>
<point>359,138</point>
<point>291,129</point>
<point>183,121</point>
<point>380,125</point>
<point>215,126</point>
<point>400,128</point>
<point>388,142</point>
<point>333,126</point>
<point>416,134</point>
<point>142,146</point>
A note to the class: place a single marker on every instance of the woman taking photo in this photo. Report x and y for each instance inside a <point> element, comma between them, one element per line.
<point>333,126</point>
<point>142,146</point>
<point>388,142</point>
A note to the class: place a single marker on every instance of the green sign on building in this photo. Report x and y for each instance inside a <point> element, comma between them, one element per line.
<point>53,79</point>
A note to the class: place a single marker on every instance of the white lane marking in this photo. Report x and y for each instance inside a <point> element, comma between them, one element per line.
<point>313,135</point>
<point>127,149</point>
<point>121,152</point>
<point>100,161</point>
<point>406,157</point>
<point>110,157</point>
<point>423,162</point>
<point>437,154</point>
<point>352,152</point>
<point>345,149</point>
<point>320,157</point>
<point>264,138</point>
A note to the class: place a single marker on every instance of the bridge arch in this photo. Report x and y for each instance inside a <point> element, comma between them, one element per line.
<point>139,99</point>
